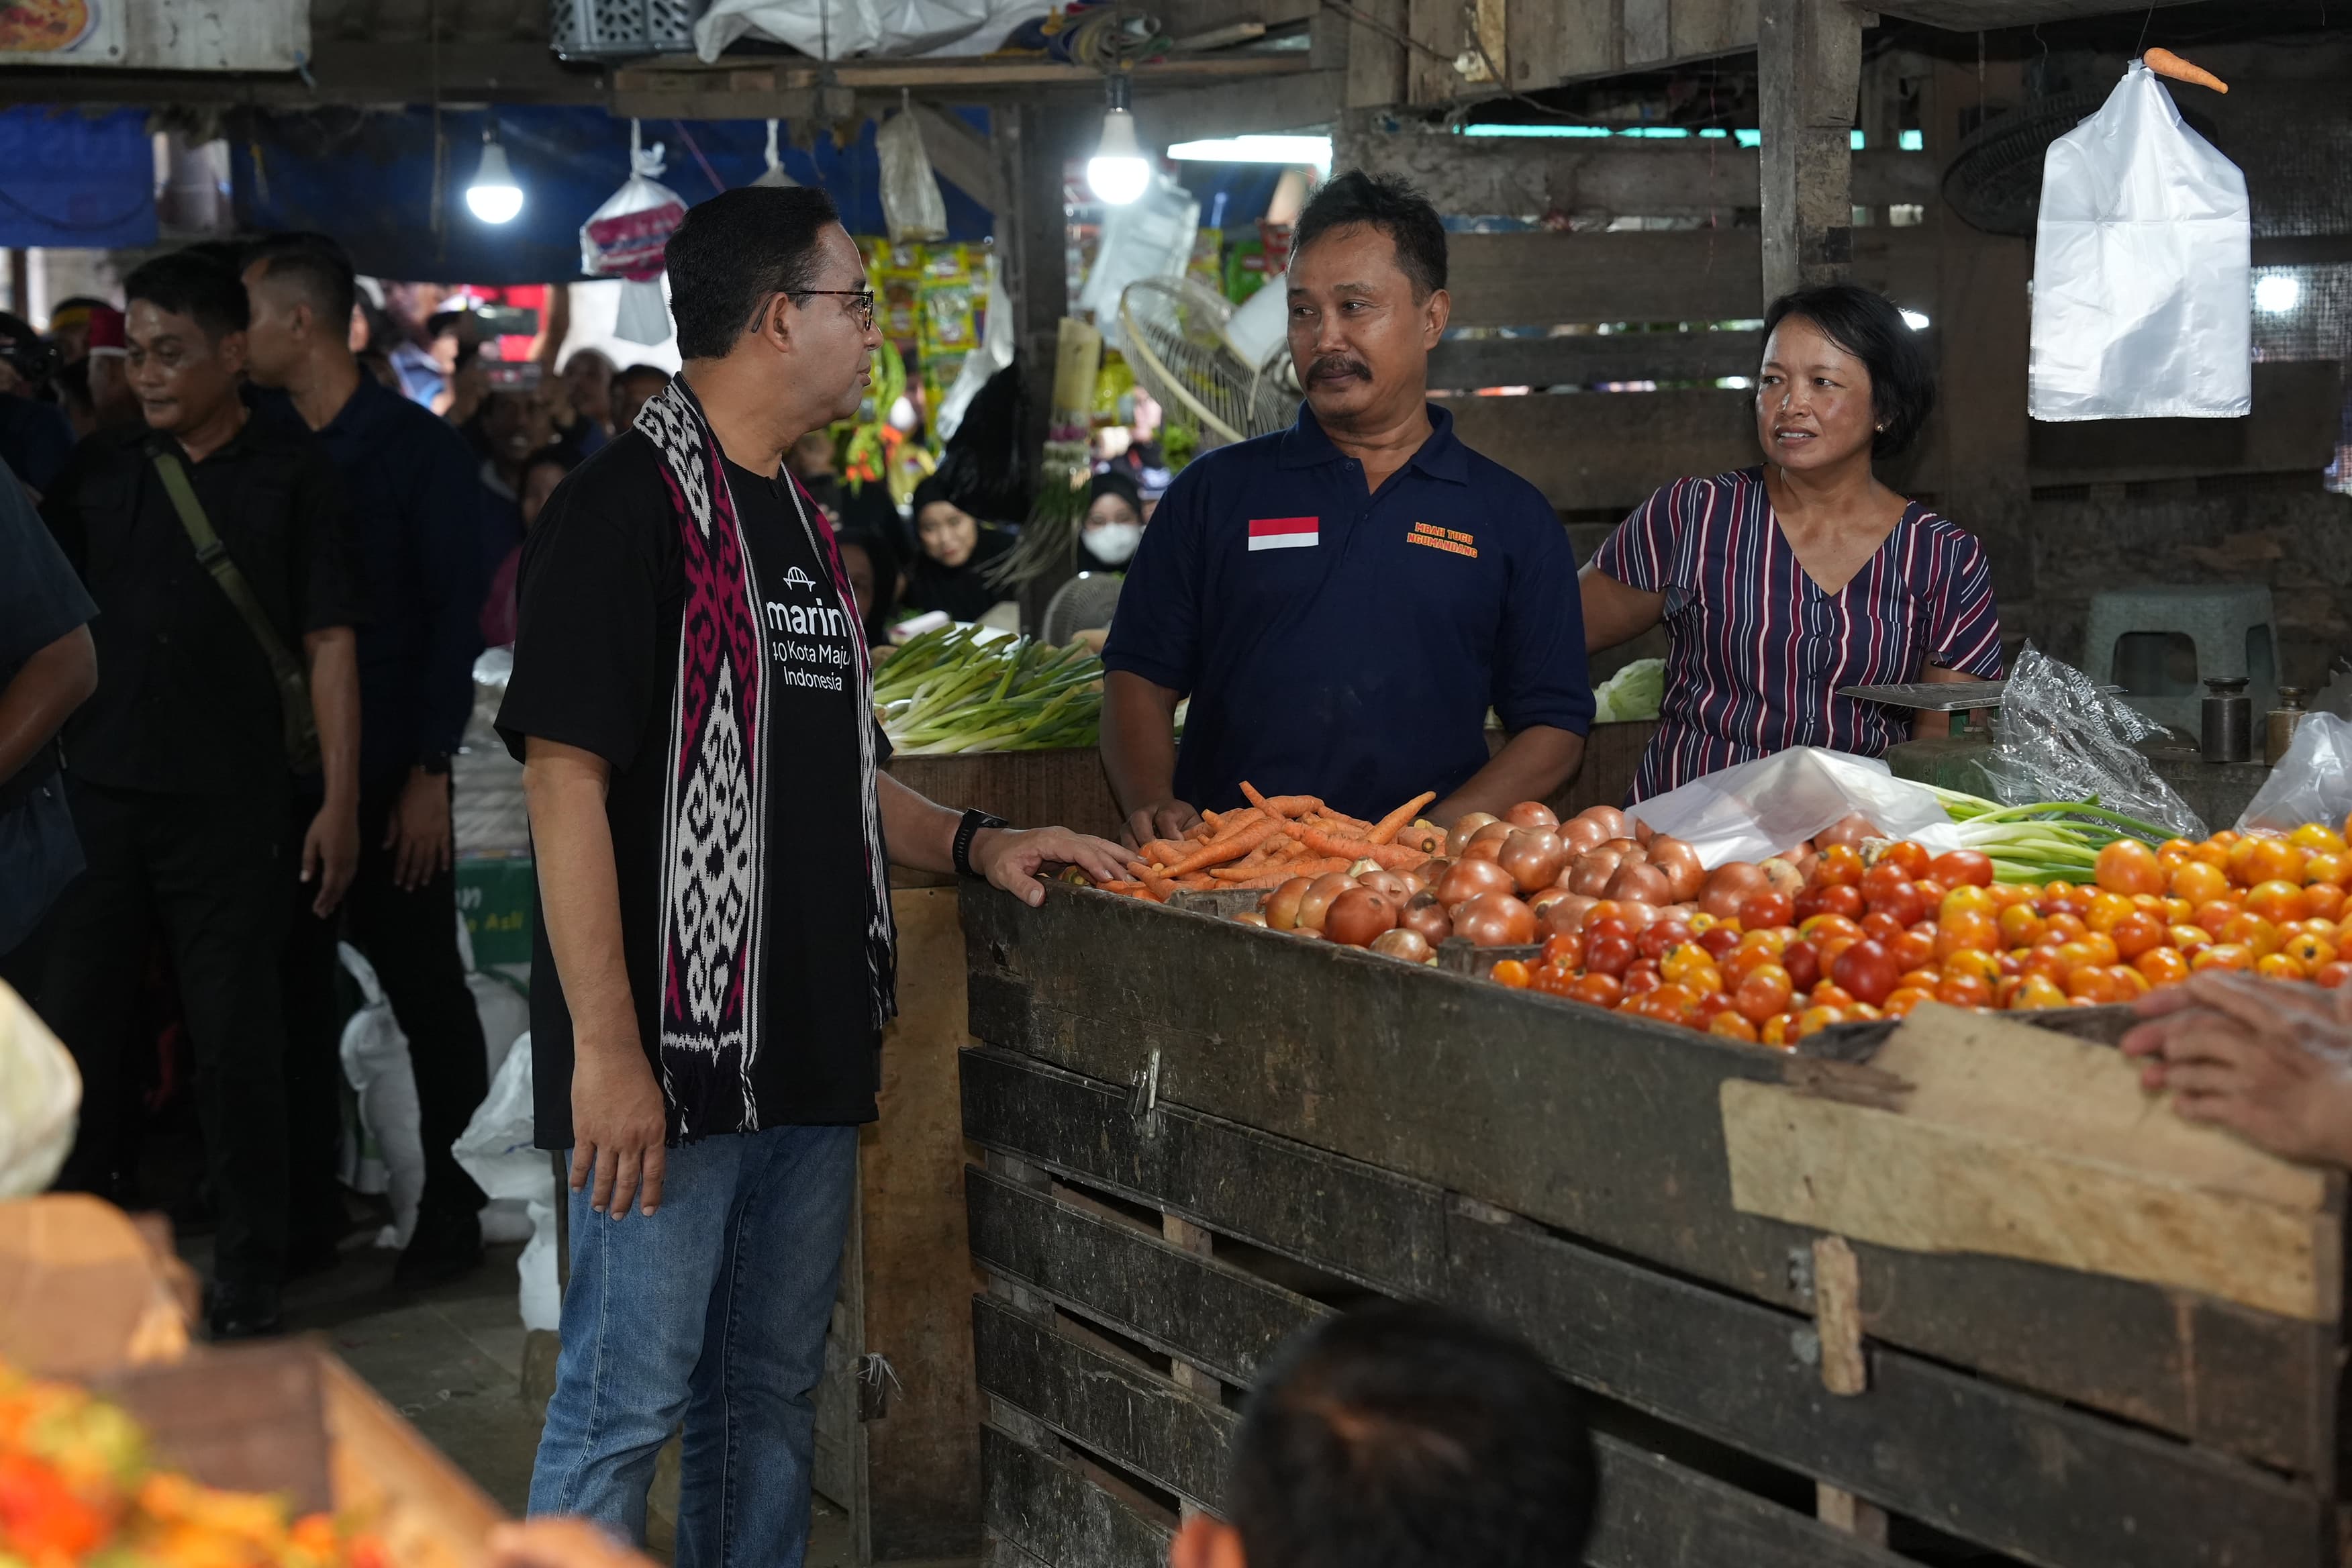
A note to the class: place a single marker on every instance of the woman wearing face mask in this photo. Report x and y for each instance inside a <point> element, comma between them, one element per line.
<point>952,572</point>
<point>1782,583</point>
<point>1113,525</point>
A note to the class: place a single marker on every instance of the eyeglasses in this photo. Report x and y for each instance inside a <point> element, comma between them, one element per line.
<point>864,307</point>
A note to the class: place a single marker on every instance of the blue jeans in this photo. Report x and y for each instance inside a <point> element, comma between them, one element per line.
<point>713,1311</point>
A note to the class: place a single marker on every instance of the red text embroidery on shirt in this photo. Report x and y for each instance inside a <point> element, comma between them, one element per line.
<point>1448,539</point>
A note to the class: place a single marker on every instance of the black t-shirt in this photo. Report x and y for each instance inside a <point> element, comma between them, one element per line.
<point>963,591</point>
<point>601,595</point>
<point>186,701</point>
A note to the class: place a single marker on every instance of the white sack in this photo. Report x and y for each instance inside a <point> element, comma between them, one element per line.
<point>995,353</point>
<point>2142,307</point>
<point>838,28</point>
<point>40,1097</point>
<point>496,1151</point>
<point>1751,811</point>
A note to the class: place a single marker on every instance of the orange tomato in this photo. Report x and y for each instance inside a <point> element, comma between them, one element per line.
<point>2313,951</point>
<point>2105,910</point>
<point>2277,901</point>
<point>1901,1000</point>
<point>2333,975</point>
<point>2279,967</point>
<point>1973,964</point>
<point>2020,927</point>
<point>2317,837</point>
<point>2136,934</point>
<point>2128,980</point>
<point>1913,858</point>
<point>2102,946</point>
<point>2323,900</point>
<point>2162,966</point>
<point>1913,949</point>
<point>1599,990</point>
<point>2093,981</point>
<point>1731,1026</point>
<point>2211,852</point>
<point>2253,931</point>
<point>2223,955</point>
<point>2128,866</point>
<point>2066,926</point>
<point>1814,1020</point>
<point>2188,938</point>
<point>1965,991</point>
<point>1840,867</point>
<point>1968,930</point>
<point>2263,857</point>
<point>2037,991</point>
<point>1966,899</point>
<point>1765,991</point>
<point>1510,972</point>
<point>1822,927</point>
<point>1830,994</point>
<point>2213,916</point>
<point>2199,883</point>
<point>2328,865</point>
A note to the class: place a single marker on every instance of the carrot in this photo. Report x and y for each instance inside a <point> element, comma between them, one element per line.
<point>1163,852</point>
<point>1234,822</point>
<point>1223,850</point>
<point>1287,805</point>
<point>1277,879</point>
<point>2164,62</point>
<point>1401,817</point>
<point>1354,849</point>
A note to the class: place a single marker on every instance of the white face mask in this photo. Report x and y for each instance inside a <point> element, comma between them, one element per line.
<point>1113,543</point>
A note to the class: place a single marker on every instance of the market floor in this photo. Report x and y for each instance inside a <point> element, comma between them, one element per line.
<point>451,1359</point>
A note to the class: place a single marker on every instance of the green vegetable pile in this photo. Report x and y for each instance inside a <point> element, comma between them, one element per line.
<point>2048,840</point>
<point>1633,692</point>
<point>966,688</point>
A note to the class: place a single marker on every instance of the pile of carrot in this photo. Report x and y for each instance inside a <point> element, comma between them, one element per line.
<point>1275,839</point>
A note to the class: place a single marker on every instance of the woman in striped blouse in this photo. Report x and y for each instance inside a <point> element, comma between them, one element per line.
<point>1782,584</point>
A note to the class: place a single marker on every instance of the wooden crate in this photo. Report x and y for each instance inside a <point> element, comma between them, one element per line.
<point>1201,1138</point>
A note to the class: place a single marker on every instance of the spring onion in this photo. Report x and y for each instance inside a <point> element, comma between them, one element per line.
<point>2045,841</point>
<point>968,689</point>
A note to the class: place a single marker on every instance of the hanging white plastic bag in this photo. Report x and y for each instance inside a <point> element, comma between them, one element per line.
<point>40,1093</point>
<point>496,1151</point>
<point>1151,236</point>
<point>2313,783</point>
<point>911,203</point>
<point>836,29</point>
<point>2141,302</point>
<point>995,353</point>
<point>774,175</point>
<point>1751,811</point>
<point>626,237</point>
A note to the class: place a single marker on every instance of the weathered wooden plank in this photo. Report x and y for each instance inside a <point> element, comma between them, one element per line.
<point>1436,28</point>
<point>1971,1457</point>
<point>1602,1126</point>
<point>996,1551</point>
<point>2294,426</point>
<point>1376,60</point>
<point>1589,359</point>
<point>1979,16</point>
<point>1809,71</point>
<point>1648,32</point>
<point>1237,108</point>
<point>1705,28</point>
<point>1589,450</point>
<point>1028,789</point>
<point>961,155</point>
<point>1047,1508</point>
<point>1384,1231</point>
<point>1137,1420</point>
<point>1655,1513</point>
<point>1537,278</point>
<point>1173,1301</point>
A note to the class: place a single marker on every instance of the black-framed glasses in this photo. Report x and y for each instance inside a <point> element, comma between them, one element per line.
<point>863,309</point>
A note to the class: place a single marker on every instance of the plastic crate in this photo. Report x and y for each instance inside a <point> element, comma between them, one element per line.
<point>607,29</point>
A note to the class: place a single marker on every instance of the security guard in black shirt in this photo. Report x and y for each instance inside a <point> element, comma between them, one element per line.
<point>219,553</point>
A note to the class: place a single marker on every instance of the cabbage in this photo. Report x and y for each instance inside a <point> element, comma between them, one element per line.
<point>1633,692</point>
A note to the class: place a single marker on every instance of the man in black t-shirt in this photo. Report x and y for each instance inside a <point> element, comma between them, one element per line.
<point>180,782</point>
<point>692,703</point>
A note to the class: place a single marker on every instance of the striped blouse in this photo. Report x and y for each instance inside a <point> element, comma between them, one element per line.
<point>1757,651</point>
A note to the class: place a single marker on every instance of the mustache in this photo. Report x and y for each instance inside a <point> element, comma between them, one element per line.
<point>1338,365</point>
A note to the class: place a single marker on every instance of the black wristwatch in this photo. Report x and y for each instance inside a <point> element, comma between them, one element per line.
<point>966,831</point>
<point>436,763</point>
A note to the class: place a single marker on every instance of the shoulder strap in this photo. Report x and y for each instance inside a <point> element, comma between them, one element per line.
<point>214,557</point>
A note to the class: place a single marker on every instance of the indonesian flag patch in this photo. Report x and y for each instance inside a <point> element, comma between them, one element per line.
<point>1284,533</point>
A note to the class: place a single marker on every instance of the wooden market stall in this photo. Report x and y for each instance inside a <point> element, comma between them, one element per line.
<point>2102,1344</point>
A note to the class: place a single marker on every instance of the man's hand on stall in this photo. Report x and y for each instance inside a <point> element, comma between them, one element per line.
<point>2270,1060</point>
<point>1170,819</point>
<point>419,834</point>
<point>1012,857</point>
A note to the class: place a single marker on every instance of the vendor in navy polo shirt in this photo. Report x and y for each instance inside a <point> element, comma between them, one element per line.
<point>1344,601</point>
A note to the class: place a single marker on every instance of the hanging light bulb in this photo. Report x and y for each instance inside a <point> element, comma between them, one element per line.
<point>1119,170</point>
<point>493,196</point>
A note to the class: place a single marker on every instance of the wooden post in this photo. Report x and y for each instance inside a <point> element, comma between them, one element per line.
<point>1808,71</point>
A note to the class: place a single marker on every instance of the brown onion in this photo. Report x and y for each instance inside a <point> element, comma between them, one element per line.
<point>1403,943</point>
<point>1281,905</point>
<point>1644,832</point>
<point>1563,912</point>
<point>1849,831</point>
<point>1640,884</point>
<point>1534,857</point>
<point>1390,885</point>
<point>1593,872</point>
<point>1464,829</point>
<point>1496,920</point>
<point>1531,814</point>
<point>1357,916</point>
<point>1414,882</point>
<point>1428,917</point>
<point>1629,849</point>
<point>1468,878</point>
<point>1482,849</point>
<point>1679,861</point>
<point>1610,819</point>
<point>1317,900</point>
<point>1250,917</point>
<point>1782,877</point>
<point>1583,834</point>
<point>1728,885</point>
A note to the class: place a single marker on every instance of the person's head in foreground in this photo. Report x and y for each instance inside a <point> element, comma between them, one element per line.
<point>1403,1436</point>
<point>187,323</point>
<point>1368,299</point>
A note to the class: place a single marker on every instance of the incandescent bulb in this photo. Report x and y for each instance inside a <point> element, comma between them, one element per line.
<point>493,196</point>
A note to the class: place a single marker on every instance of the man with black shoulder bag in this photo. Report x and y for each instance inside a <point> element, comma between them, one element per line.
<point>218,551</point>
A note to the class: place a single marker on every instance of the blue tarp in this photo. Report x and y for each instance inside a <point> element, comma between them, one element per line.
<point>71,179</point>
<point>367,178</point>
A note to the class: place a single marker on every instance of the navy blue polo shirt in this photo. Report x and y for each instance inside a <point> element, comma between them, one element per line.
<point>1344,643</point>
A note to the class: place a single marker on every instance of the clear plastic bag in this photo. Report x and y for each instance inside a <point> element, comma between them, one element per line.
<point>911,203</point>
<point>626,239</point>
<point>2141,307</point>
<point>2059,737</point>
<point>2313,783</point>
<point>1151,236</point>
<point>1752,811</point>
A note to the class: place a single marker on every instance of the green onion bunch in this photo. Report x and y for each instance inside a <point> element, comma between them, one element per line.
<point>2049,840</point>
<point>965,688</point>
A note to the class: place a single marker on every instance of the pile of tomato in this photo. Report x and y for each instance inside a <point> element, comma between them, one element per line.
<point>1873,935</point>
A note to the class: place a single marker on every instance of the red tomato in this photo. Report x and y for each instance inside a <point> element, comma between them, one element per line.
<point>1803,962</point>
<point>1914,949</point>
<point>1903,902</point>
<point>2333,975</point>
<point>1763,911</point>
<point>1599,990</point>
<point>1965,991</point>
<point>1867,969</point>
<point>1718,940</point>
<point>1661,936</point>
<point>1642,977</point>
<point>1955,867</point>
<point>1911,857</point>
<point>1564,950</point>
<point>1843,900</point>
<point>1765,991</point>
<point>1880,926</point>
<point>1882,880</point>
<point>1608,955</point>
